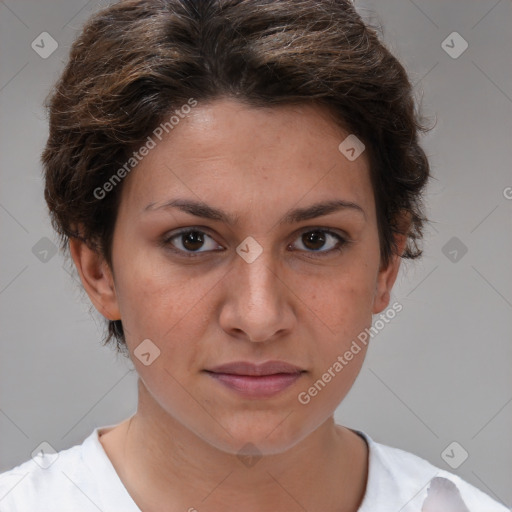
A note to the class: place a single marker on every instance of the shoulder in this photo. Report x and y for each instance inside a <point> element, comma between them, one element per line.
<point>38,482</point>
<point>78,478</point>
<point>404,480</point>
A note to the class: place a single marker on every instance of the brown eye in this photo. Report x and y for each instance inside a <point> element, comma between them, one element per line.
<point>318,239</point>
<point>193,240</point>
<point>314,240</point>
<point>190,241</point>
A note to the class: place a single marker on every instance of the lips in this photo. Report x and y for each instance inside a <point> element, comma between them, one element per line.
<point>252,369</point>
<point>256,381</point>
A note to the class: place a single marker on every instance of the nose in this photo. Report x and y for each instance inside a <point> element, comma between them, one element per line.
<point>258,304</point>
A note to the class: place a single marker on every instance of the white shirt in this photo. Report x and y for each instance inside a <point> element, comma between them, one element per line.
<point>82,479</point>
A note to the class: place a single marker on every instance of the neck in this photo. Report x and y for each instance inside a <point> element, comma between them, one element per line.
<point>170,464</point>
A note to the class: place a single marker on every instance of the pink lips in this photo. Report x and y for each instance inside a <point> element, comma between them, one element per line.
<point>256,380</point>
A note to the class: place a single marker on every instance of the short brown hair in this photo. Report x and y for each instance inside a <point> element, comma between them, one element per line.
<point>137,60</point>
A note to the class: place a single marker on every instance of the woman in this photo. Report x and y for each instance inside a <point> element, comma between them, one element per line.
<point>237,182</point>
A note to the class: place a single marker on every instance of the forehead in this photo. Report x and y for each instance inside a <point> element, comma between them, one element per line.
<point>253,156</point>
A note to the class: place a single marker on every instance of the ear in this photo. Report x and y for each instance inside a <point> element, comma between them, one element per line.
<point>96,277</point>
<point>387,275</point>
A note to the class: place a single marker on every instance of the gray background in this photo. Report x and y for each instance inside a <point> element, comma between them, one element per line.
<point>438,373</point>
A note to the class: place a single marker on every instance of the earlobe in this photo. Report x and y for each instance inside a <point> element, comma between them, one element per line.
<point>385,282</point>
<point>96,278</point>
<point>387,275</point>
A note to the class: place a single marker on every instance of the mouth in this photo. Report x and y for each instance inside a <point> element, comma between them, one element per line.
<point>256,380</point>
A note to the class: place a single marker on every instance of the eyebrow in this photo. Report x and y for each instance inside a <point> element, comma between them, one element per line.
<point>203,210</point>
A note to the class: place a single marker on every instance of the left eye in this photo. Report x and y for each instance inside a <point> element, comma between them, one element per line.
<point>316,239</point>
<point>192,240</point>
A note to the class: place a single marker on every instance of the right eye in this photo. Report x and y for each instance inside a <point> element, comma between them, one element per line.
<point>189,241</point>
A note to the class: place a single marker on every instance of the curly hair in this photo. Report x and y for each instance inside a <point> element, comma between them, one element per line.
<point>136,61</point>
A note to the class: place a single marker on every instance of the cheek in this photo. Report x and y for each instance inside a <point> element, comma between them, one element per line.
<point>162,302</point>
<point>344,310</point>
<point>342,301</point>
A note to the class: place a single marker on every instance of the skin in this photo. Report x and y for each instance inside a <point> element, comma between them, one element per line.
<point>179,451</point>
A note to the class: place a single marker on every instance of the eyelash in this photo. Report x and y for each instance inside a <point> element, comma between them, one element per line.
<point>342,242</point>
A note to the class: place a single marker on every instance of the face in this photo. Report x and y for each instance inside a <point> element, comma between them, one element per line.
<point>260,284</point>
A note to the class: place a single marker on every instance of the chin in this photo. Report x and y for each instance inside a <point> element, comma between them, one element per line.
<point>250,437</point>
